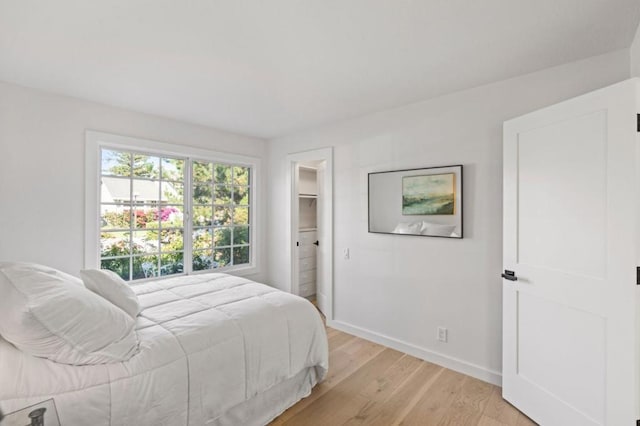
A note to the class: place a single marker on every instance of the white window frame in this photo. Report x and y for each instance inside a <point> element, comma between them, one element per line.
<point>95,141</point>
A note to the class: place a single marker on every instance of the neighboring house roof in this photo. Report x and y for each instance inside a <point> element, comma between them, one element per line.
<point>117,189</point>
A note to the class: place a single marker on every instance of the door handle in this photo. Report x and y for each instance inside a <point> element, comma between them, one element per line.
<point>316,243</point>
<point>509,275</point>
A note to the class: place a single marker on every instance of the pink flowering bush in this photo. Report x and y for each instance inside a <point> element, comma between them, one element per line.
<point>118,245</point>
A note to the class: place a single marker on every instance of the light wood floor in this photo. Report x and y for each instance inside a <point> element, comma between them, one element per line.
<point>369,384</point>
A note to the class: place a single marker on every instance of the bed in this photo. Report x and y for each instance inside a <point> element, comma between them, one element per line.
<point>214,349</point>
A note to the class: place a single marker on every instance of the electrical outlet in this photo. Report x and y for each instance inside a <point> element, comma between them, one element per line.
<point>443,334</point>
<point>345,253</point>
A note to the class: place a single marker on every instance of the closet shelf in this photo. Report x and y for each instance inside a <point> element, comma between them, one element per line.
<point>311,197</point>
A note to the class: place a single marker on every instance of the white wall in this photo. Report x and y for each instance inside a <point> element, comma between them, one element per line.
<point>398,289</point>
<point>42,142</point>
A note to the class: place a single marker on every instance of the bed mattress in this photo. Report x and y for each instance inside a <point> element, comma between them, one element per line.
<point>214,349</point>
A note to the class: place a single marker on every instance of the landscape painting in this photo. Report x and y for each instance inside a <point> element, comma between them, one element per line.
<point>428,194</point>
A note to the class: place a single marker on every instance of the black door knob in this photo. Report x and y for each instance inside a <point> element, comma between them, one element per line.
<point>316,243</point>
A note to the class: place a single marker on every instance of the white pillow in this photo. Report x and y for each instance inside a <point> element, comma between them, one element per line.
<point>435,229</point>
<point>408,228</point>
<point>109,285</point>
<point>46,314</point>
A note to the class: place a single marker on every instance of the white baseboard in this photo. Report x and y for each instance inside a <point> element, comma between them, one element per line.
<point>464,367</point>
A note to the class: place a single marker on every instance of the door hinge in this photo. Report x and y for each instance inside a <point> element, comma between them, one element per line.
<point>638,283</point>
<point>638,124</point>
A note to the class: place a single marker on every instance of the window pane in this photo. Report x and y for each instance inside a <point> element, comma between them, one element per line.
<point>146,217</point>
<point>241,215</point>
<point>202,194</point>
<point>145,242</point>
<point>241,195</point>
<point>119,266</point>
<point>172,264</point>
<point>202,260</point>
<point>172,169</point>
<point>202,215</point>
<point>145,267</point>
<point>115,217</point>
<point>202,238</point>
<point>240,255</point>
<point>241,175</point>
<point>222,216</point>
<point>115,190</point>
<point>222,237</point>
<point>115,163</point>
<point>223,194</point>
<point>221,257</point>
<point>172,193</point>
<point>171,216</point>
<point>222,174</point>
<point>114,244</point>
<point>202,171</point>
<point>240,235</point>
<point>171,240</point>
<point>146,166</point>
<point>145,192</point>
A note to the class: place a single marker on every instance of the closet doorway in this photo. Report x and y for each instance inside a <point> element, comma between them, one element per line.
<point>311,230</point>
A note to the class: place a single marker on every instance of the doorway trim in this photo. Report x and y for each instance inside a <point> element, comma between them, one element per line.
<point>326,155</point>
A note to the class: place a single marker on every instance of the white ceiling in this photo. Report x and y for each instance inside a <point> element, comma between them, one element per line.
<point>268,68</point>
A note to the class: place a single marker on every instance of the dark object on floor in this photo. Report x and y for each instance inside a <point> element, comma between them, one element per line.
<point>37,417</point>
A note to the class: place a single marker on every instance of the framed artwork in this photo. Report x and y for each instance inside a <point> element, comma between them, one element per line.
<point>425,202</point>
<point>429,194</point>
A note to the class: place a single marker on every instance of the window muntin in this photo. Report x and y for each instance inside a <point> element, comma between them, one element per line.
<point>144,200</point>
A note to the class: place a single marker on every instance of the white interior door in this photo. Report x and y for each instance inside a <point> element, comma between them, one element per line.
<point>322,281</point>
<point>295,221</point>
<point>569,344</point>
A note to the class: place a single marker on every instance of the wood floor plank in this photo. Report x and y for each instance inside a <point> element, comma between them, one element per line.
<point>385,385</point>
<point>435,402</point>
<point>499,409</point>
<point>405,397</point>
<point>385,410</point>
<point>332,332</point>
<point>343,401</point>
<point>525,421</point>
<point>357,344</point>
<point>339,339</point>
<point>468,405</point>
<point>348,408</point>
<point>488,421</point>
<point>348,363</point>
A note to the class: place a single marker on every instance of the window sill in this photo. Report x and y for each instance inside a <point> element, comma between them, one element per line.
<point>240,271</point>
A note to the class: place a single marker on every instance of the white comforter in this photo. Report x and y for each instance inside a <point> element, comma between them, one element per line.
<point>215,349</point>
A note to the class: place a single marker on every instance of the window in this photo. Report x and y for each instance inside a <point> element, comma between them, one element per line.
<point>166,211</point>
<point>142,213</point>
<point>220,203</point>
